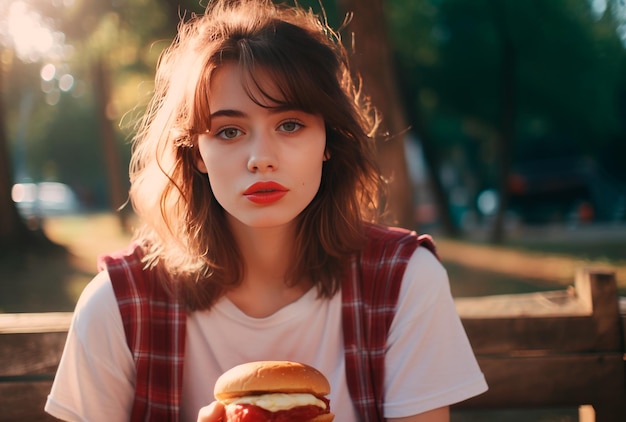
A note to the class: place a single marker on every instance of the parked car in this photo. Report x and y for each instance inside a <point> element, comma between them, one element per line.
<point>573,189</point>
<point>37,200</point>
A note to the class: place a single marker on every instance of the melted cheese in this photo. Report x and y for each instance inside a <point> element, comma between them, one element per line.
<point>280,401</point>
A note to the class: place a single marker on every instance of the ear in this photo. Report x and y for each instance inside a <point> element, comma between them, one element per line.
<point>326,155</point>
<point>200,162</point>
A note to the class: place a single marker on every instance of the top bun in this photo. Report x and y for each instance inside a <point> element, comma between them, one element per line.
<point>270,377</point>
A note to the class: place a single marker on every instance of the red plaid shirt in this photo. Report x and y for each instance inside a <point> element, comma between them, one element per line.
<point>155,323</point>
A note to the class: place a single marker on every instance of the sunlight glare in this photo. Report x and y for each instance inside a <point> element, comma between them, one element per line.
<point>31,38</point>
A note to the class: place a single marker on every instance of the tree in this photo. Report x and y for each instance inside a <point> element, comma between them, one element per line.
<point>114,51</point>
<point>118,54</point>
<point>501,82</point>
<point>505,121</point>
<point>14,234</point>
<point>13,230</point>
<point>135,26</point>
<point>412,25</point>
<point>373,60</point>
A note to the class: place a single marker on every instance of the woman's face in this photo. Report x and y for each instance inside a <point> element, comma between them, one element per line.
<point>264,164</point>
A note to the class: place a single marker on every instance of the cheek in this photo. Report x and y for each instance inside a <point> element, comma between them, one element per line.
<point>218,174</point>
<point>210,160</point>
<point>313,158</point>
<point>310,170</point>
<point>221,174</point>
<point>207,164</point>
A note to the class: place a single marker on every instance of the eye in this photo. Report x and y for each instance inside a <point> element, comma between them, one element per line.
<point>228,133</point>
<point>290,126</point>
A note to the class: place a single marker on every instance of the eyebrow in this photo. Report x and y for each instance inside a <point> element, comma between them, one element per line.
<point>238,113</point>
<point>228,113</point>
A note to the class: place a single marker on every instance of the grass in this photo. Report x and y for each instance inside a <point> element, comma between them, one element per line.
<point>507,269</point>
<point>43,282</point>
<point>37,282</point>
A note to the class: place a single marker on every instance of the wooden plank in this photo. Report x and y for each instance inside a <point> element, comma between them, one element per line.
<point>527,335</point>
<point>553,381</point>
<point>558,303</point>
<point>552,414</point>
<point>30,354</point>
<point>622,312</point>
<point>24,401</point>
<point>583,319</point>
<point>600,288</point>
<point>45,322</point>
<point>30,350</point>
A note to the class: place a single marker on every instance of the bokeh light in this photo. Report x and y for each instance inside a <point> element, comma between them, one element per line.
<point>31,38</point>
<point>48,72</point>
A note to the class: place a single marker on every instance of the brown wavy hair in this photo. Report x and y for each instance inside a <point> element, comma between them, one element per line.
<point>186,236</point>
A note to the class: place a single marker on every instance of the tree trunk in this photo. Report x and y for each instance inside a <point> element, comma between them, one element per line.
<point>117,193</point>
<point>506,129</point>
<point>373,60</point>
<point>10,222</point>
<point>15,236</point>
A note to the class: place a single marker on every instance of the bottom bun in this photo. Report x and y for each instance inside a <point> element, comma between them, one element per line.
<point>328,417</point>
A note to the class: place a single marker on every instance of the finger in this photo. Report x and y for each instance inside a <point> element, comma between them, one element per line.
<point>211,413</point>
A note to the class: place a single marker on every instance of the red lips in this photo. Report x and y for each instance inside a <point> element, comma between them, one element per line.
<point>264,193</point>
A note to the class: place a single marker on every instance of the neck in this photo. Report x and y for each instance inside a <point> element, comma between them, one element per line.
<point>267,252</point>
<point>268,256</point>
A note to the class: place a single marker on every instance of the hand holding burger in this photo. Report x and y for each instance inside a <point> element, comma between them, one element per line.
<point>274,391</point>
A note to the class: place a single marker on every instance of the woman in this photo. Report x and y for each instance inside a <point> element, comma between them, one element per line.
<point>254,174</point>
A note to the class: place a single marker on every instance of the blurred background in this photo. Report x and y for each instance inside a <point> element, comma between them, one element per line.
<point>506,125</point>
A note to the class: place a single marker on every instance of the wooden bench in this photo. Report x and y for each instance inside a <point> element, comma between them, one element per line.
<point>554,349</point>
<point>541,350</point>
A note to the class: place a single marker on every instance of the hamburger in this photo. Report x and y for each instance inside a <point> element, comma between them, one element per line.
<point>274,391</point>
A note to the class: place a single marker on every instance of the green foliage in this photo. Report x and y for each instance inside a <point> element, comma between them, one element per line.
<point>569,75</point>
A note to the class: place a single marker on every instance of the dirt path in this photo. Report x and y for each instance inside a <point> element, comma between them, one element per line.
<point>87,237</point>
<point>522,264</point>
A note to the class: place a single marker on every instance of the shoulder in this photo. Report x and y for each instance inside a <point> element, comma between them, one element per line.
<point>98,290</point>
<point>424,261</point>
<point>376,275</point>
<point>96,309</point>
<point>425,274</point>
<point>383,240</point>
<point>425,286</point>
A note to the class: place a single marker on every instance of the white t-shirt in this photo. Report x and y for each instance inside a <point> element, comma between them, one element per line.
<point>429,361</point>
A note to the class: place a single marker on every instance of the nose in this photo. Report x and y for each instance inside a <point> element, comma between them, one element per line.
<point>262,154</point>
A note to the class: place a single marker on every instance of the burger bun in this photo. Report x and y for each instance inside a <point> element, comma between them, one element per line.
<point>270,377</point>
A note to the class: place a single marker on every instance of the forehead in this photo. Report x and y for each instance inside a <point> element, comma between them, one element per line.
<point>230,84</point>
